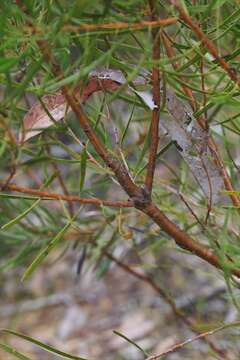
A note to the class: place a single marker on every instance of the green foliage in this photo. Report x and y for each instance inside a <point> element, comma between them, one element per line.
<point>25,73</point>
<point>48,348</point>
<point>31,227</point>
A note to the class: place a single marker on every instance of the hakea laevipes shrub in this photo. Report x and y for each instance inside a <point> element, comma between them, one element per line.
<point>170,81</point>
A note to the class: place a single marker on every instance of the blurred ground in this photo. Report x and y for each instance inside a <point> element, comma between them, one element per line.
<point>78,315</point>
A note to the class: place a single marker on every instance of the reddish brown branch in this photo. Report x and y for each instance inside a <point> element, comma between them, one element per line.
<point>69,198</point>
<point>206,41</point>
<point>121,25</point>
<point>107,26</point>
<point>211,143</point>
<point>183,239</point>
<point>114,164</point>
<point>195,338</point>
<point>139,197</point>
<point>156,99</point>
<point>171,54</point>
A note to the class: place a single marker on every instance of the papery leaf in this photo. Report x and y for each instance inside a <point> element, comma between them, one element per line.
<point>53,107</point>
<point>109,74</point>
<point>147,98</point>
<point>37,118</point>
<point>191,142</point>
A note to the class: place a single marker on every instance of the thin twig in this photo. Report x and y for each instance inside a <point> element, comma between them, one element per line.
<point>177,312</point>
<point>211,143</point>
<point>188,341</point>
<point>206,41</point>
<point>118,167</point>
<point>70,198</point>
<point>191,210</point>
<point>156,99</point>
<point>110,26</point>
<point>204,101</point>
<point>138,195</point>
<point>121,25</point>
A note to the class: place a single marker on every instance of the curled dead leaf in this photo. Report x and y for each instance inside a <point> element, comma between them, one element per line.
<point>37,118</point>
<point>53,107</point>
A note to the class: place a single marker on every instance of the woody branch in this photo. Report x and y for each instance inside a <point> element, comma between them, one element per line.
<point>137,194</point>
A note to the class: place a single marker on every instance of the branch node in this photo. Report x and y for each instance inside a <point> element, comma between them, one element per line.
<point>142,198</point>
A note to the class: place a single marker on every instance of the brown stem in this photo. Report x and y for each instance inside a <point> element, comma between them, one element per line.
<point>200,336</point>
<point>171,54</point>
<point>69,198</point>
<point>206,41</point>
<point>183,239</point>
<point>138,195</point>
<point>121,25</point>
<point>211,143</point>
<point>156,99</point>
<point>108,26</point>
<point>114,164</point>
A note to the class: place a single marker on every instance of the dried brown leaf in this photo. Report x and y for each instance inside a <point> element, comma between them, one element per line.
<point>38,119</point>
<point>192,144</point>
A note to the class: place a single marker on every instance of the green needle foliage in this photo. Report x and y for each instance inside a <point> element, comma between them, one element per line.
<point>62,160</point>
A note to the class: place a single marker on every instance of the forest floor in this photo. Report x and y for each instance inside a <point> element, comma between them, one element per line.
<point>78,314</point>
